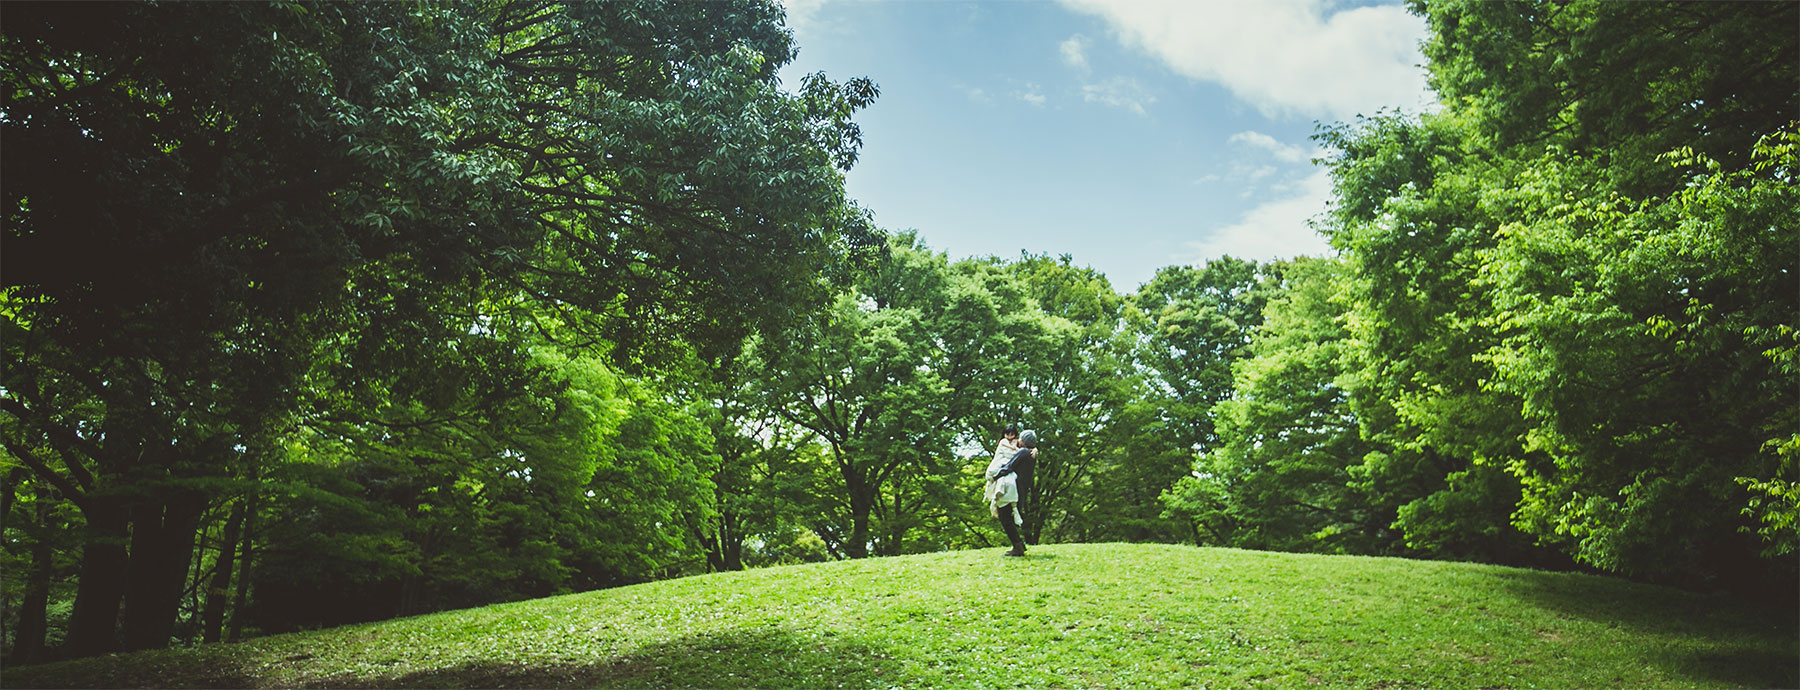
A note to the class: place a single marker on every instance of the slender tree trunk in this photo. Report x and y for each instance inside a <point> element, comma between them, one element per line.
<point>194,580</point>
<point>896,526</point>
<point>162,542</point>
<point>28,646</point>
<point>28,639</point>
<point>212,618</point>
<point>731,543</point>
<point>245,566</point>
<point>724,548</point>
<point>93,627</point>
<point>714,546</point>
<point>1034,523</point>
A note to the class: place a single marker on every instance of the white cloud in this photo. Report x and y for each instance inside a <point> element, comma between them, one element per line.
<point>801,13</point>
<point>1284,57</point>
<point>1074,52</point>
<point>1027,92</point>
<point>1275,230</point>
<point>1286,153</point>
<point>1119,92</point>
<point>812,18</point>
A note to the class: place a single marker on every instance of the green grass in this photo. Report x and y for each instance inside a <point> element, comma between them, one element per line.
<point>1102,615</point>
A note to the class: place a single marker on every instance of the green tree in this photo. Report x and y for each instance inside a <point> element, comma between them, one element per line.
<point>1077,380</point>
<point>1412,220</point>
<point>40,531</point>
<point>890,378</point>
<point>1280,476</point>
<point>576,479</point>
<point>1544,320</point>
<point>1646,339</point>
<point>1618,83</point>
<point>1193,323</point>
<point>1199,323</point>
<point>761,459</point>
<point>198,192</point>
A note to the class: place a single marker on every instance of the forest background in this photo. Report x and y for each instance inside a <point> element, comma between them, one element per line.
<point>321,313</point>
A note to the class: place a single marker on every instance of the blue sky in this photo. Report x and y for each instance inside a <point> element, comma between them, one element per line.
<point>1129,134</point>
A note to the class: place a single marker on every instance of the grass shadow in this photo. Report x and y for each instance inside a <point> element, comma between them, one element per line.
<point>1752,646</point>
<point>767,658</point>
<point>1746,668</point>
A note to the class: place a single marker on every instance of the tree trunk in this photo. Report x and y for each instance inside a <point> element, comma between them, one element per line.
<point>241,600</point>
<point>896,527</point>
<point>162,541</point>
<point>194,580</point>
<point>1034,518</point>
<point>101,588</point>
<point>28,640</point>
<point>414,596</point>
<point>731,543</point>
<point>212,619</point>
<point>862,503</point>
<point>714,546</point>
<point>724,548</point>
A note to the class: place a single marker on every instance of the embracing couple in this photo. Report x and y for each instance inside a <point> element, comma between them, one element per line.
<point>1009,479</point>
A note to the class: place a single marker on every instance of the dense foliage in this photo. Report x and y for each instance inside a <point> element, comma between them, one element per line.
<point>317,313</point>
<point>1561,327</point>
<point>316,261</point>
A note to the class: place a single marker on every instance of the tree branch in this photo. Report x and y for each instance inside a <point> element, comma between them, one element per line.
<point>62,436</point>
<point>31,460</point>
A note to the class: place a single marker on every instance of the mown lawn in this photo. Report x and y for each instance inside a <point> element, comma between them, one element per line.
<point>1103,615</point>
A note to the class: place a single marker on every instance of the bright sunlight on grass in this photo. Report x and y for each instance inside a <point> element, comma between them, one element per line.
<point>1104,615</point>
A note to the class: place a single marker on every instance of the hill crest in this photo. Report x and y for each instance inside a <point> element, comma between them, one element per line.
<point>1116,615</point>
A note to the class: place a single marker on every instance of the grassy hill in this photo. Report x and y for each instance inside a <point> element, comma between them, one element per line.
<point>1103,615</point>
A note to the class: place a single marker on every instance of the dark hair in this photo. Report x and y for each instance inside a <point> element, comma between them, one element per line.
<point>1010,430</point>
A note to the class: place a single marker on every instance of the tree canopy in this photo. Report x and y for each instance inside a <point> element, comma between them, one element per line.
<point>229,223</point>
